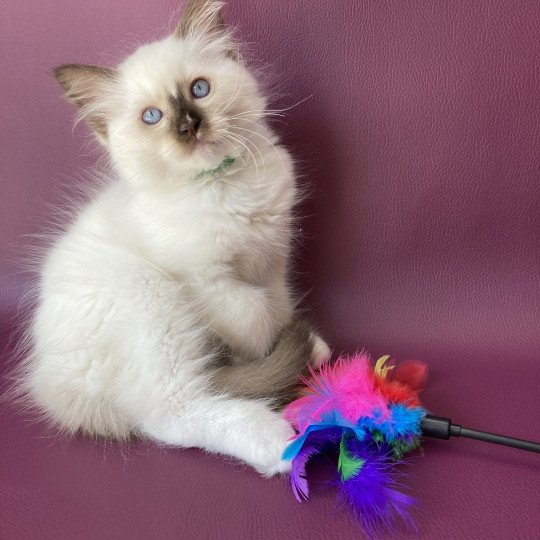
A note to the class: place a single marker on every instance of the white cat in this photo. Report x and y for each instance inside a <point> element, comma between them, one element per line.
<point>164,309</point>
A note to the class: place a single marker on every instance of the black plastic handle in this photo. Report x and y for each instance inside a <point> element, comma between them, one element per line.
<point>438,427</point>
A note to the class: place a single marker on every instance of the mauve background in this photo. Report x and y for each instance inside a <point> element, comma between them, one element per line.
<point>420,144</point>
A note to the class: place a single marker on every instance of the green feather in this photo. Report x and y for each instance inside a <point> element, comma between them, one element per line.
<point>400,448</point>
<point>378,437</point>
<point>348,466</point>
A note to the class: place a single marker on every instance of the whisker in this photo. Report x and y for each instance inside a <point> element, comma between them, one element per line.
<point>252,143</point>
<point>235,138</point>
<point>235,91</point>
<point>232,147</point>
<point>268,141</point>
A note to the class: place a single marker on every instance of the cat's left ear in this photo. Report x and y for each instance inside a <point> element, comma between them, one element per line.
<point>205,18</point>
<point>91,88</point>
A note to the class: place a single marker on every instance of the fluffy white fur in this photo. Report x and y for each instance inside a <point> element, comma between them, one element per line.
<point>161,257</point>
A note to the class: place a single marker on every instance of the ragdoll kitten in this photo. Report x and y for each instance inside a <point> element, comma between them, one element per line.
<point>164,309</point>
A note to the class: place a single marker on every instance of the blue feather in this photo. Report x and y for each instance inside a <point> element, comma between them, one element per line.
<point>329,419</point>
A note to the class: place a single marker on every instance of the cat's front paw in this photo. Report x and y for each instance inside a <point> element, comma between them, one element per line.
<point>268,456</point>
<point>282,467</point>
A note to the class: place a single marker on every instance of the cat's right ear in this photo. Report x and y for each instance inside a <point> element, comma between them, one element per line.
<point>91,89</point>
<point>205,18</point>
<point>202,17</point>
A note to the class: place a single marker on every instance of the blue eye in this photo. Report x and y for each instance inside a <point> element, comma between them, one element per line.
<point>200,88</point>
<point>152,115</point>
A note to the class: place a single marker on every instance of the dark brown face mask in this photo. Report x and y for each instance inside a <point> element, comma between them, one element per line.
<point>188,119</point>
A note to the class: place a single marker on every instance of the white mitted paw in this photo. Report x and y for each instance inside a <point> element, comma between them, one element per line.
<point>267,457</point>
<point>321,352</point>
<point>282,467</point>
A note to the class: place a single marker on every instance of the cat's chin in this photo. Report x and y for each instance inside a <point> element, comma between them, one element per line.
<point>212,152</point>
<point>203,156</point>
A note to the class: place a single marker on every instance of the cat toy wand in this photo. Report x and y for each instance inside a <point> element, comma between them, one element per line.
<point>370,416</point>
<point>442,428</point>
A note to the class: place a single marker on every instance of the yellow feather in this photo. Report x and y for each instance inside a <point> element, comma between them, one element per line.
<point>380,369</point>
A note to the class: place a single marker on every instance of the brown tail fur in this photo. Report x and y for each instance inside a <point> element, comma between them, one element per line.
<point>275,377</point>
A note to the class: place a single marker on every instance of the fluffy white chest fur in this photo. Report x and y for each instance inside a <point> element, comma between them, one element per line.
<point>164,309</point>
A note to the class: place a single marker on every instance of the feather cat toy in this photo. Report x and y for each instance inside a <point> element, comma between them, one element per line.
<point>371,417</point>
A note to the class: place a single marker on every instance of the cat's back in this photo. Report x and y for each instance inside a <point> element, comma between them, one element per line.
<point>96,297</point>
<point>92,275</point>
<point>89,243</point>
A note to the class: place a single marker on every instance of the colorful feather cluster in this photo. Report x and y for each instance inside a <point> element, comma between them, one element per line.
<point>369,415</point>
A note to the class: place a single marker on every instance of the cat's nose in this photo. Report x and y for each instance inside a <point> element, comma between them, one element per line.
<point>189,125</point>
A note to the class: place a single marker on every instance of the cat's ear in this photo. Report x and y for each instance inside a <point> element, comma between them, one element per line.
<point>91,89</point>
<point>205,17</point>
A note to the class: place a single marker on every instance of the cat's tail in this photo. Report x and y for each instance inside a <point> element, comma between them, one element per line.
<point>275,377</point>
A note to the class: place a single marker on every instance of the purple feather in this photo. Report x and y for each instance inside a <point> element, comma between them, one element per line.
<point>316,443</point>
<point>371,494</point>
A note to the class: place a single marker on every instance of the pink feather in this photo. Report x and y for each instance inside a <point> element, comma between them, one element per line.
<point>345,386</point>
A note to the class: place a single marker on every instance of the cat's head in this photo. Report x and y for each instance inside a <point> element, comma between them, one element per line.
<point>174,107</point>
